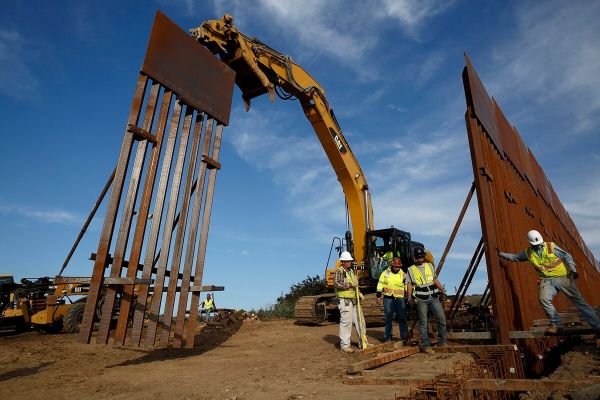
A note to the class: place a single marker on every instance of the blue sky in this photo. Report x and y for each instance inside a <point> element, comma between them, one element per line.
<point>391,71</point>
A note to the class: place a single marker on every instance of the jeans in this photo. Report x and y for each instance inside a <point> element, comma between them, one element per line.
<point>435,306</point>
<point>395,306</point>
<point>349,316</point>
<point>549,287</point>
<point>207,312</point>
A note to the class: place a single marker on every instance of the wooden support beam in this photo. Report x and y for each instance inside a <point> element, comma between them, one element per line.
<point>207,288</point>
<point>376,348</point>
<point>109,280</point>
<point>470,335</point>
<point>211,163</point>
<point>367,380</point>
<point>538,333</point>
<point>141,133</point>
<point>526,385</point>
<point>381,359</point>
<point>475,348</point>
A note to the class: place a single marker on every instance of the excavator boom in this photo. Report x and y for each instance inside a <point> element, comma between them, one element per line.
<point>261,69</point>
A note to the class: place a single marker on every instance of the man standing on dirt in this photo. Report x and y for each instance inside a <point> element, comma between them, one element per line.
<point>424,288</point>
<point>391,284</point>
<point>208,306</point>
<point>549,262</point>
<point>345,283</point>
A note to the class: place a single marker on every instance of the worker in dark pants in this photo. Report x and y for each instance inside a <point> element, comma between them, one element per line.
<point>391,284</point>
<point>424,288</point>
<point>549,262</point>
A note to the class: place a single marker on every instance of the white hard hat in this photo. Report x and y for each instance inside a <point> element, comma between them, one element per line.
<point>346,256</point>
<point>535,237</point>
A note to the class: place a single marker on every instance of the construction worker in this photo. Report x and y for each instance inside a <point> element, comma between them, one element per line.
<point>208,306</point>
<point>424,288</point>
<point>392,285</point>
<point>549,262</point>
<point>345,283</point>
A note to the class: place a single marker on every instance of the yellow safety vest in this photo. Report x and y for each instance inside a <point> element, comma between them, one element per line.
<point>351,279</point>
<point>549,265</point>
<point>421,280</point>
<point>391,284</point>
<point>208,304</point>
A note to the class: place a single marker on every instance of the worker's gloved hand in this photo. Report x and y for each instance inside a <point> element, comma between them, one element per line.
<point>575,274</point>
<point>362,298</point>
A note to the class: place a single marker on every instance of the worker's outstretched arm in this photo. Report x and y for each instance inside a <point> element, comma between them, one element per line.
<point>522,256</point>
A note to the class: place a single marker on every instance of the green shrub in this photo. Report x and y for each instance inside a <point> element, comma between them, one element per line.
<point>284,306</point>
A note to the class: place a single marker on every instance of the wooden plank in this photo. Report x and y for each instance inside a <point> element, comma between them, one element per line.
<point>207,288</point>
<point>210,189</point>
<point>470,335</point>
<point>140,228</point>
<point>368,350</point>
<point>476,348</point>
<point>108,280</point>
<point>367,380</point>
<point>526,385</point>
<point>532,334</point>
<point>382,359</point>
<point>110,215</point>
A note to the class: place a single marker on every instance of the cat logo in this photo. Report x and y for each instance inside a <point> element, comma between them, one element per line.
<point>338,142</point>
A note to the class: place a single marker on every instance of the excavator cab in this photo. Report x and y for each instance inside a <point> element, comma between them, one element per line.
<point>384,244</point>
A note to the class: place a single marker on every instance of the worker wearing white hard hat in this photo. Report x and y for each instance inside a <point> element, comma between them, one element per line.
<point>549,262</point>
<point>345,283</point>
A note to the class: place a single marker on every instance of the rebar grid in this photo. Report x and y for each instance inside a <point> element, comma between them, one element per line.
<point>487,365</point>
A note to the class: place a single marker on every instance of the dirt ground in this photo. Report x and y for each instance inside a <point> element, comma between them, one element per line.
<point>250,360</point>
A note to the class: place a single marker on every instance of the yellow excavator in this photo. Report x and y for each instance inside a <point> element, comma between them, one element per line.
<point>261,69</point>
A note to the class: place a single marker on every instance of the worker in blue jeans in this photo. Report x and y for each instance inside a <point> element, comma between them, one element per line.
<point>549,262</point>
<point>425,289</point>
<point>392,285</point>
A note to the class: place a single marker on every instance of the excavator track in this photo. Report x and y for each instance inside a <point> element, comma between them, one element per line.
<point>322,310</point>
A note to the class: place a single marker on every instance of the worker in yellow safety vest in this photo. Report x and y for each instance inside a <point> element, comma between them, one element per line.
<point>208,306</point>
<point>549,262</point>
<point>425,289</point>
<point>392,286</point>
<point>345,283</point>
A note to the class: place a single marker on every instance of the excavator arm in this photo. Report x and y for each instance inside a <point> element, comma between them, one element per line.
<point>261,69</point>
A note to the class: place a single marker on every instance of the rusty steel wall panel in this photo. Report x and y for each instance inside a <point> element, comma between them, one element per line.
<point>515,196</point>
<point>143,306</point>
<point>186,67</point>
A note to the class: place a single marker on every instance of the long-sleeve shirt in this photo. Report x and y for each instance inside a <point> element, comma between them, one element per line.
<point>339,279</point>
<point>522,256</point>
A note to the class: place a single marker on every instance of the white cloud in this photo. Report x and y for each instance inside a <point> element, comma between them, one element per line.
<point>55,216</point>
<point>412,14</point>
<point>16,77</point>
<point>342,30</point>
<point>552,62</point>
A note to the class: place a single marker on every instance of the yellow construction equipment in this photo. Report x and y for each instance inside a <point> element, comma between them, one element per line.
<point>41,304</point>
<point>261,69</point>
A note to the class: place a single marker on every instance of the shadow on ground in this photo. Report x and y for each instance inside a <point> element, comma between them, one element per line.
<point>21,372</point>
<point>207,339</point>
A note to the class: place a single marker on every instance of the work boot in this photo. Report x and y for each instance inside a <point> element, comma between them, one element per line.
<point>553,329</point>
<point>347,350</point>
<point>428,350</point>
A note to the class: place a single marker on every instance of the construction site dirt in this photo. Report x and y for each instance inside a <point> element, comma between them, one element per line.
<point>246,360</point>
